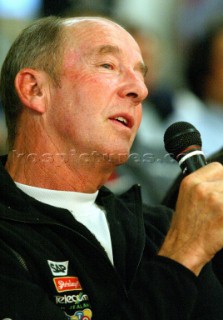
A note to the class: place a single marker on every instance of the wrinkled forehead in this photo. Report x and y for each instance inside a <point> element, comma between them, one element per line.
<point>93,30</point>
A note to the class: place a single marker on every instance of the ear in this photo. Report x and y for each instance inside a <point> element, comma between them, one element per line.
<point>31,90</point>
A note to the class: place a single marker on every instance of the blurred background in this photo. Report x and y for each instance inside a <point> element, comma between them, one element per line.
<point>175,36</point>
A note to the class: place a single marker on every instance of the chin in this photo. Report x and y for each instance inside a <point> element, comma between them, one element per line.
<point>115,156</point>
<point>118,158</point>
<point>120,155</point>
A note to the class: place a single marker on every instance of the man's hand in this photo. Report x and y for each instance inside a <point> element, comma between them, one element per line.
<point>196,232</point>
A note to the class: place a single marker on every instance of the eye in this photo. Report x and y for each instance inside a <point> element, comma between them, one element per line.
<point>107,66</point>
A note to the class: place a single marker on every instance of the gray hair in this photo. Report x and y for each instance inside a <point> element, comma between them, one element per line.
<point>39,46</point>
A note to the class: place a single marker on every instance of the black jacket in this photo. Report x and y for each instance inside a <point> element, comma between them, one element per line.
<point>51,265</point>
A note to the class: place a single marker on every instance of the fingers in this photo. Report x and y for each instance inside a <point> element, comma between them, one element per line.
<point>203,182</point>
<point>196,233</point>
<point>212,171</point>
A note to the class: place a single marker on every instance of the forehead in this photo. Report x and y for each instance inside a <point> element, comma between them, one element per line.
<point>101,37</point>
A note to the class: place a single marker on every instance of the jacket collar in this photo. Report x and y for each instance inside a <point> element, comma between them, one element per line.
<point>18,205</point>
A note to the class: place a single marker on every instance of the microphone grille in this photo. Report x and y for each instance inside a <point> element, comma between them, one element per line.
<point>179,136</point>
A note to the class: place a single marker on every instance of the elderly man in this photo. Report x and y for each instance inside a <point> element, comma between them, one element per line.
<point>72,90</point>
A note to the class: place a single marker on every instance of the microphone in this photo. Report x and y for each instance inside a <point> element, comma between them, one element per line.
<point>183,142</point>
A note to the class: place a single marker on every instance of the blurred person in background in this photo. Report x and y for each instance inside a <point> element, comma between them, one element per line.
<point>201,101</point>
<point>192,17</point>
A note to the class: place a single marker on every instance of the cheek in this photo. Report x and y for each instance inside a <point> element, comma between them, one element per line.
<point>92,95</point>
<point>93,82</point>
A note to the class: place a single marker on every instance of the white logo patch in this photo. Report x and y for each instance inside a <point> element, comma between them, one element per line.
<point>58,268</point>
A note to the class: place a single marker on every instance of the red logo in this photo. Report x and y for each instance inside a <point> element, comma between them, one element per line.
<point>67,284</point>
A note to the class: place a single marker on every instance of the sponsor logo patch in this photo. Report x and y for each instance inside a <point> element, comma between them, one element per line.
<point>72,299</point>
<point>58,268</point>
<point>63,284</point>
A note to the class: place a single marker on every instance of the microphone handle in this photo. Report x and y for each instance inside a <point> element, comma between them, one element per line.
<point>192,161</point>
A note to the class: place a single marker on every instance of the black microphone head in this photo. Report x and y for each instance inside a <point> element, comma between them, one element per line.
<point>179,137</point>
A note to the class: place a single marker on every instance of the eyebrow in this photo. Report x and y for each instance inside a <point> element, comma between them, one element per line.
<point>106,49</point>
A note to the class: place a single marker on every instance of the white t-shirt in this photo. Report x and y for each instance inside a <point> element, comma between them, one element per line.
<point>83,208</point>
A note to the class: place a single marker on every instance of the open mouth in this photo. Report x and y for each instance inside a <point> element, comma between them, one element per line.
<point>124,120</point>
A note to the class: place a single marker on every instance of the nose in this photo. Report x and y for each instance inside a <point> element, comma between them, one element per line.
<point>133,87</point>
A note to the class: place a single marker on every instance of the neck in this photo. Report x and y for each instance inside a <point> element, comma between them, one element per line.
<point>55,170</point>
